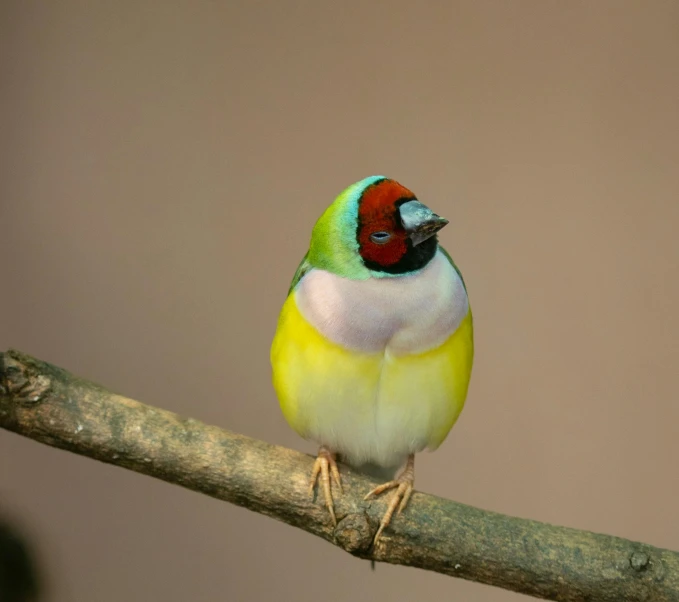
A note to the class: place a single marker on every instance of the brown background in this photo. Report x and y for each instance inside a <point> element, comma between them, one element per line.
<point>162,166</point>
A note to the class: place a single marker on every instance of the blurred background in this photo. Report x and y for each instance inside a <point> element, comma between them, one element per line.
<point>161,167</point>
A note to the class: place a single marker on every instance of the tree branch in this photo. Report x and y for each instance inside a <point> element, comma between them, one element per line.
<point>50,405</point>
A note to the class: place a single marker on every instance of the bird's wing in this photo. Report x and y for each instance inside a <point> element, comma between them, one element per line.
<point>450,259</point>
<point>303,268</point>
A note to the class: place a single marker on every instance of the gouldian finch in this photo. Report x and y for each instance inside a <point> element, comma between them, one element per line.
<point>374,346</point>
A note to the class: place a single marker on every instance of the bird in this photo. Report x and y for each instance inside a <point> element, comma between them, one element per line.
<point>373,349</point>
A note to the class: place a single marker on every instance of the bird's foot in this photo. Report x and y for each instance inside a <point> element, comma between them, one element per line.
<point>324,467</point>
<point>404,485</point>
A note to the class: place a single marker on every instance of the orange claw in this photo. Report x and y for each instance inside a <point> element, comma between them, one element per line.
<point>404,485</point>
<point>324,467</point>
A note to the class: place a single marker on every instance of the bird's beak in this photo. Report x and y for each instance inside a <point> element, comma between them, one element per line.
<point>420,222</point>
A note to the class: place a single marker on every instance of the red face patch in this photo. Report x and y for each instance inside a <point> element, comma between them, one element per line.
<point>378,214</point>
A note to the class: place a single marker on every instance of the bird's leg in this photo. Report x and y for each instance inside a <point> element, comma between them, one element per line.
<point>324,467</point>
<point>404,488</point>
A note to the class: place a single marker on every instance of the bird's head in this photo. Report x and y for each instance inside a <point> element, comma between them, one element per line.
<point>375,228</point>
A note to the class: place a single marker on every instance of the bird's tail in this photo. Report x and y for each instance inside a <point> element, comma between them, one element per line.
<point>382,473</point>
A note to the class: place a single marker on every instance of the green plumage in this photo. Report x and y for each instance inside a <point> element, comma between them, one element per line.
<point>333,244</point>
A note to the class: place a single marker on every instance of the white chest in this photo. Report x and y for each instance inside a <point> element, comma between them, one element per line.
<point>402,315</point>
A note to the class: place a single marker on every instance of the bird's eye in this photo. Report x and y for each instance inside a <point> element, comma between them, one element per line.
<point>380,237</point>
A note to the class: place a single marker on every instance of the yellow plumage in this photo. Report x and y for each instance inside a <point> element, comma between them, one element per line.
<point>323,387</point>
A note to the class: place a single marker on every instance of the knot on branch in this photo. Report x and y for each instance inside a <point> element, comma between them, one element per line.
<point>19,380</point>
<point>639,561</point>
<point>354,534</point>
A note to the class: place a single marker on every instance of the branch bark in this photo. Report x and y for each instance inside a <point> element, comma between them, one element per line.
<point>48,404</point>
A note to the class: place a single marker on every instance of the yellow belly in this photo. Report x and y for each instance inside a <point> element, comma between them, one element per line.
<point>370,407</point>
